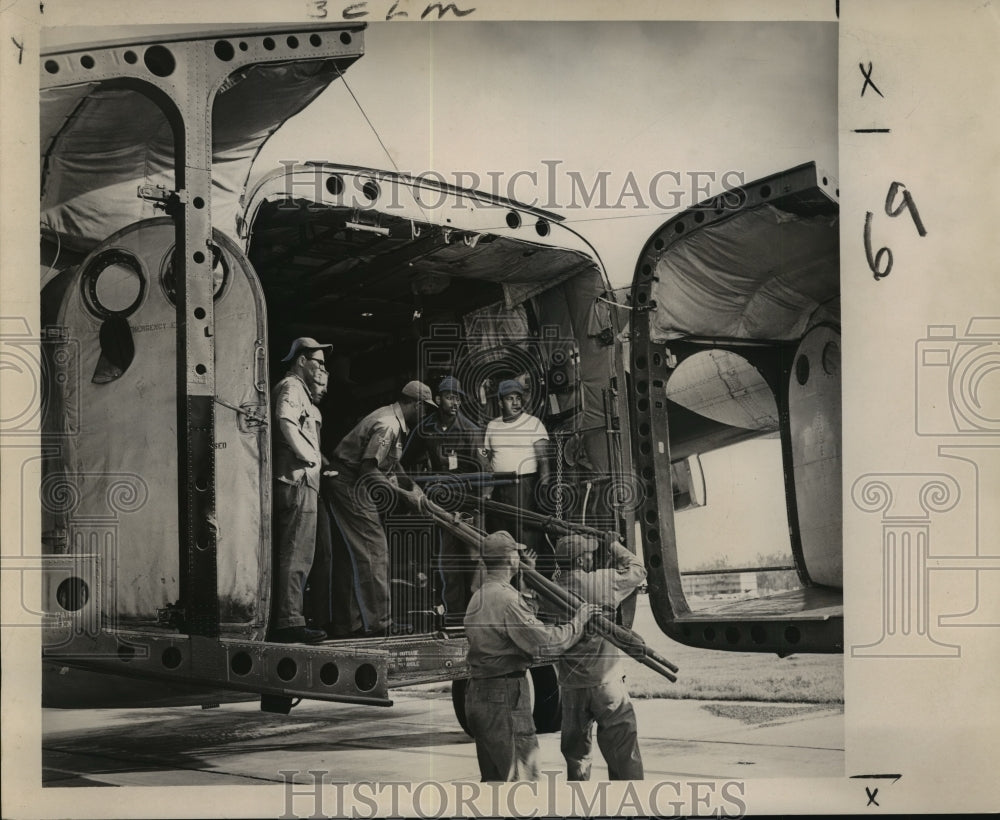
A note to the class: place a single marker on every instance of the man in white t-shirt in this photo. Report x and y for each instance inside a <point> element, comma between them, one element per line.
<point>517,442</point>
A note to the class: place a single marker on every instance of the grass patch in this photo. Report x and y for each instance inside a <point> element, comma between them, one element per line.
<point>707,674</point>
<point>754,714</point>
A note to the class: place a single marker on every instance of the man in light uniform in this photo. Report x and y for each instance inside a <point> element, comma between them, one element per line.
<point>369,476</point>
<point>591,681</point>
<point>505,638</point>
<point>297,466</point>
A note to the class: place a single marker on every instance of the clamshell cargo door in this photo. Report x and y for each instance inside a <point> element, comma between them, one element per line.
<point>159,478</point>
<point>735,401</point>
<point>115,491</point>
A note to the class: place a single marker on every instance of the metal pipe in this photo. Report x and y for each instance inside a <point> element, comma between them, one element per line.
<point>477,479</point>
<point>625,639</point>
<point>555,526</point>
<point>621,636</point>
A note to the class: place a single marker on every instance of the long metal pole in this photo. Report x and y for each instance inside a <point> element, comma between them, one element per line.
<point>555,526</point>
<point>625,639</point>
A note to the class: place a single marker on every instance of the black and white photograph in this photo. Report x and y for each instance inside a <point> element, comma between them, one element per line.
<point>446,410</point>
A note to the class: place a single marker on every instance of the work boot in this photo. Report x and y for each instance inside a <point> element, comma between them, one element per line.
<point>298,634</point>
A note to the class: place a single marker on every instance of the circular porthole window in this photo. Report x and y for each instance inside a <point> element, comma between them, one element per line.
<point>220,275</point>
<point>113,284</point>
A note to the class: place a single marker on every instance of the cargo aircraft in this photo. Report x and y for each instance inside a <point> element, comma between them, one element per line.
<point>171,288</point>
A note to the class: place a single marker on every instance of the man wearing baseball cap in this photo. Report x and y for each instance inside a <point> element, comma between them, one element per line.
<point>447,441</point>
<point>297,467</point>
<point>368,477</point>
<point>591,681</point>
<point>505,638</point>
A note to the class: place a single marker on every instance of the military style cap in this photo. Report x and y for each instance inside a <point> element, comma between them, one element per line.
<point>304,344</point>
<point>510,386</point>
<point>570,546</point>
<point>419,391</point>
<point>449,384</point>
<point>499,544</point>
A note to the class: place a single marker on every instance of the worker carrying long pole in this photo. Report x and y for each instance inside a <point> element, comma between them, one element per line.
<point>558,599</point>
<point>591,680</point>
<point>505,638</point>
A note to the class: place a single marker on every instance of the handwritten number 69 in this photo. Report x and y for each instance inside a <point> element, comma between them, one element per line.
<point>892,210</point>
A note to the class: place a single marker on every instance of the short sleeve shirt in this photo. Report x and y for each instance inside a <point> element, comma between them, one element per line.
<point>511,444</point>
<point>378,436</point>
<point>293,403</point>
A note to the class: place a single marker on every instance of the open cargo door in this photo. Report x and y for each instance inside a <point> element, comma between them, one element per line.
<point>735,401</point>
<point>473,286</point>
<point>158,472</point>
<point>156,481</point>
<point>410,278</point>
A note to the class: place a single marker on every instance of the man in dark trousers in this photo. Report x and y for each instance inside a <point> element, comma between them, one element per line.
<point>368,478</point>
<point>505,638</point>
<point>297,467</point>
<point>517,443</point>
<point>591,681</point>
<point>448,442</point>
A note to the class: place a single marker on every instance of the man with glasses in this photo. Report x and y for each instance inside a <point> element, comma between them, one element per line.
<point>297,467</point>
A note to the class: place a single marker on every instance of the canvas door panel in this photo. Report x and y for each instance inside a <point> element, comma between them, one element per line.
<point>124,461</point>
<point>127,431</point>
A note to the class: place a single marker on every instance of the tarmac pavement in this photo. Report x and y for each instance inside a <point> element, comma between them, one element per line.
<point>418,739</point>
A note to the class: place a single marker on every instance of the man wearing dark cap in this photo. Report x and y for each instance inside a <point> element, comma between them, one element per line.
<point>591,681</point>
<point>368,477</point>
<point>517,442</point>
<point>505,638</point>
<point>297,467</point>
<point>447,441</point>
